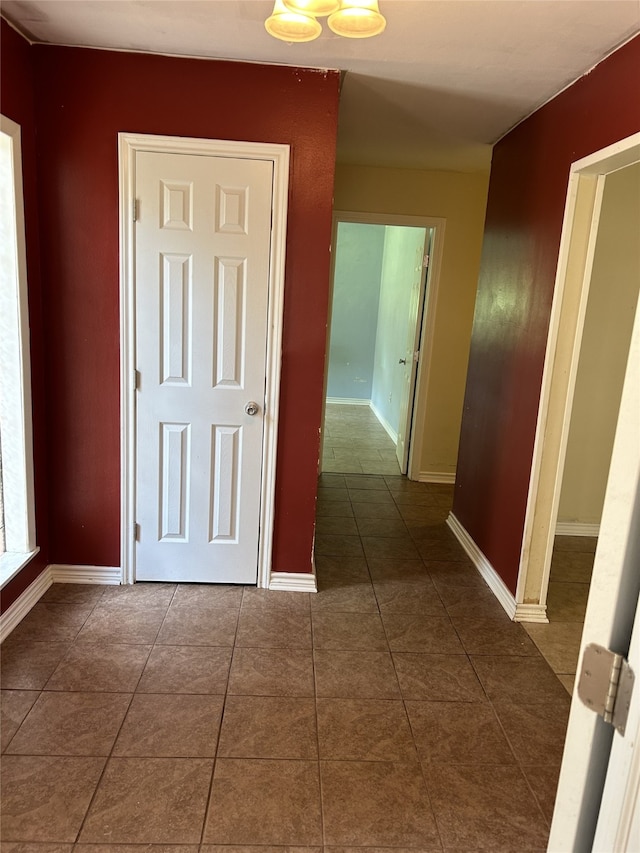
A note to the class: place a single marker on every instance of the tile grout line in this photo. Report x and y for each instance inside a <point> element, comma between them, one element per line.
<point>319,766</point>
<point>126,714</point>
<point>404,705</point>
<point>222,713</point>
<point>518,763</point>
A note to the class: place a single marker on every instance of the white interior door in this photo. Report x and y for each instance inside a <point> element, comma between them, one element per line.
<point>619,818</point>
<point>409,358</point>
<point>611,611</point>
<point>202,250</point>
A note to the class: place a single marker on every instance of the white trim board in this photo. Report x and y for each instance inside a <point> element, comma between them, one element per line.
<point>293,582</point>
<point>577,528</point>
<point>108,575</point>
<point>437,477</point>
<point>515,611</point>
<point>393,435</point>
<point>128,145</point>
<point>570,298</point>
<point>489,574</point>
<point>15,399</point>
<point>12,562</point>
<point>54,573</point>
<point>14,614</point>
<point>531,613</point>
<point>348,401</point>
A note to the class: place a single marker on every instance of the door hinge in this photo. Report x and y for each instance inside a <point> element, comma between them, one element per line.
<point>606,684</point>
<point>136,532</point>
<point>425,262</point>
<point>416,356</point>
<point>136,380</point>
<point>135,211</point>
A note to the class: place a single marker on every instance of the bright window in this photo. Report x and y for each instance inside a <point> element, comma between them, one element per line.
<point>17,539</point>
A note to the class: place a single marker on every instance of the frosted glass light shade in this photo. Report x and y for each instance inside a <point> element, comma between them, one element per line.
<point>291,26</point>
<point>357,19</point>
<point>313,7</point>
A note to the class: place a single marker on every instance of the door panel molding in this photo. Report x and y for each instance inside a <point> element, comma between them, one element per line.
<point>128,146</point>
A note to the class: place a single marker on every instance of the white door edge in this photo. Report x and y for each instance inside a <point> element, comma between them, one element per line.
<point>609,618</point>
<point>128,146</point>
<point>427,318</point>
<point>416,323</point>
<point>541,510</point>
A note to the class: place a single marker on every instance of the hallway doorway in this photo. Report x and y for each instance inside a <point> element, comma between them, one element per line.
<point>593,314</point>
<point>384,286</point>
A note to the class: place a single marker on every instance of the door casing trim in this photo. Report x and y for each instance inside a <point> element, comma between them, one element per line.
<point>570,296</point>
<point>128,145</point>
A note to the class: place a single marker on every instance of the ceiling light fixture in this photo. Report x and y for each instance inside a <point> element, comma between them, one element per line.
<point>296,20</point>
<point>291,26</point>
<point>318,8</point>
<point>357,19</point>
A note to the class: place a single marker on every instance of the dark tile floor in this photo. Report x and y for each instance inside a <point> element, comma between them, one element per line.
<point>397,707</point>
<point>356,442</point>
<point>569,582</point>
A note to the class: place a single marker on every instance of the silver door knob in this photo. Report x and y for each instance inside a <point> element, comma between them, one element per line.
<point>252,408</point>
<point>402,361</point>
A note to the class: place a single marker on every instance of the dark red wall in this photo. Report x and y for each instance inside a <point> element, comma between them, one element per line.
<point>527,191</point>
<point>17,103</point>
<point>83,99</point>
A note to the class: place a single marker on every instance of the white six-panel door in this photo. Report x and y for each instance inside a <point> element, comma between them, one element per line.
<point>202,250</point>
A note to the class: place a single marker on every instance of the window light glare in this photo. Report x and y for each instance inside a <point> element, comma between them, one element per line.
<point>318,8</point>
<point>291,26</point>
<point>357,19</point>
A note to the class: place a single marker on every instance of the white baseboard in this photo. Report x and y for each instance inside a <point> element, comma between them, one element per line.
<point>23,604</point>
<point>437,477</point>
<point>348,401</point>
<point>492,578</point>
<point>577,528</point>
<point>531,613</point>
<point>86,574</point>
<point>515,611</point>
<point>54,573</point>
<point>393,435</point>
<point>293,582</point>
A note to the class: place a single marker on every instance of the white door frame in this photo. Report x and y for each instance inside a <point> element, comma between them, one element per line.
<point>599,785</point>
<point>571,292</point>
<point>15,362</point>
<point>426,318</point>
<point>128,146</point>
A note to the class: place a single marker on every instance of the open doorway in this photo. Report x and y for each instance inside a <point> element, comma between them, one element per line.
<point>584,211</point>
<point>384,285</point>
<point>613,290</point>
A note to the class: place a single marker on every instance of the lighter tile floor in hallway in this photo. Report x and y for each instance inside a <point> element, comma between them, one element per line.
<point>355,442</point>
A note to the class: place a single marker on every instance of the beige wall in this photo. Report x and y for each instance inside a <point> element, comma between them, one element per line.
<point>460,198</point>
<point>613,294</point>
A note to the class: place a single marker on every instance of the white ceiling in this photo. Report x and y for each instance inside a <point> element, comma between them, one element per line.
<point>444,81</point>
